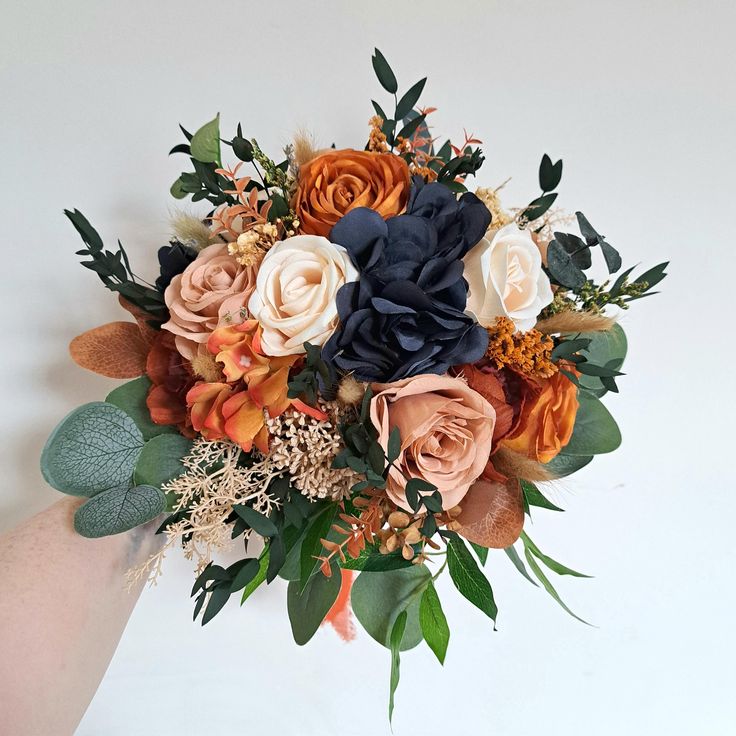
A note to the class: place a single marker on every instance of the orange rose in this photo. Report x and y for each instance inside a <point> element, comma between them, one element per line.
<point>547,421</point>
<point>338,181</point>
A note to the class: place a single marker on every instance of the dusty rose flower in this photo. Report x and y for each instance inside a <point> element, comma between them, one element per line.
<point>214,289</point>
<point>446,432</point>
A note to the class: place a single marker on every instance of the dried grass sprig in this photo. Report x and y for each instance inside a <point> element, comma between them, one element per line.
<point>572,321</point>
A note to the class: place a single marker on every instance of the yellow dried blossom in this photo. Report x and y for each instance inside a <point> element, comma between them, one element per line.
<point>492,201</point>
<point>377,138</point>
<point>526,352</point>
<point>252,245</point>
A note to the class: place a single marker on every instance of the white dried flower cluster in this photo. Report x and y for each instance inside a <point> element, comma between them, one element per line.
<point>305,448</point>
<point>213,482</point>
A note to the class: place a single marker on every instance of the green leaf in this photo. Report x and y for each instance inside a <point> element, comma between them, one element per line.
<point>395,639</point>
<point>513,555</point>
<point>469,579</point>
<point>537,207</point>
<point>242,148</point>
<point>160,459</point>
<point>257,521</point>
<point>410,128</point>
<point>384,73</point>
<point>547,585</point>
<point>371,560</point>
<point>534,496</point>
<point>606,348</point>
<point>217,600</point>
<point>118,510</point>
<point>595,431</point>
<point>432,619</point>
<point>482,552</point>
<point>564,465</point>
<point>394,445</point>
<point>562,268</point>
<point>93,449</point>
<point>260,575</point>
<point>245,575</point>
<point>205,143</point>
<point>177,190</point>
<point>409,99</point>
<point>553,565</point>
<point>308,608</point>
<point>549,174</point>
<point>131,398</point>
<point>378,598</point>
<point>318,529</point>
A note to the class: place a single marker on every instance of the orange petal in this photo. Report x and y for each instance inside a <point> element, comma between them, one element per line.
<point>115,350</point>
<point>340,615</point>
<point>243,419</point>
<point>492,513</point>
<point>272,393</point>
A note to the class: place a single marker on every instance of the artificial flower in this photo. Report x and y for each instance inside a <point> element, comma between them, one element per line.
<point>294,296</point>
<point>547,421</point>
<point>446,432</point>
<point>406,314</point>
<point>172,260</point>
<point>212,290</point>
<point>171,378</point>
<point>506,279</point>
<point>336,182</point>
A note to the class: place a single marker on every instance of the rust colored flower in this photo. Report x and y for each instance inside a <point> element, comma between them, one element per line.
<point>255,384</point>
<point>171,377</point>
<point>547,421</point>
<point>336,182</point>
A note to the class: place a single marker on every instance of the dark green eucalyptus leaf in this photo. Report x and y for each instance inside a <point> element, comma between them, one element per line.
<point>562,268</point>
<point>379,110</point>
<point>384,73</point>
<point>549,174</point>
<point>216,602</point>
<point>257,521</point>
<point>243,148</point>
<point>409,99</point>
<point>394,445</point>
<point>410,128</point>
<point>595,431</point>
<point>613,259</point>
<point>537,207</point>
<point>563,465</point>
<point>317,530</point>
<point>481,552</point>
<point>513,555</point>
<point>534,496</point>
<point>371,560</point>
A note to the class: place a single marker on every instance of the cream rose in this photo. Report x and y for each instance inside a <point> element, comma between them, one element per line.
<point>505,279</point>
<point>212,290</point>
<point>294,298</point>
<point>446,431</point>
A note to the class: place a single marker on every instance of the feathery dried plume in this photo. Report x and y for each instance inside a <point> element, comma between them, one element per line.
<point>350,392</point>
<point>572,321</point>
<point>513,465</point>
<point>191,231</point>
<point>304,148</point>
<point>206,367</point>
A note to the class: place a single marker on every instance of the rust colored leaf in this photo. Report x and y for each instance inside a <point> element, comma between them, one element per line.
<point>141,317</point>
<point>492,513</point>
<point>115,350</point>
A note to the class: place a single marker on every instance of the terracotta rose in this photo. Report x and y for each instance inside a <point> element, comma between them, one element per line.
<point>446,432</point>
<point>547,421</point>
<point>336,182</point>
<point>214,289</point>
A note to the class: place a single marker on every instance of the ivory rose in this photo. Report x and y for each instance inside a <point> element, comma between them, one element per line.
<point>547,421</point>
<point>212,290</point>
<point>505,279</point>
<point>336,182</point>
<point>446,431</point>
<point>294,296</point>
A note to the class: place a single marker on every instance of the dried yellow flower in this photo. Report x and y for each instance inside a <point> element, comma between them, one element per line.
<point>492,201</point>
<point>526,352</point>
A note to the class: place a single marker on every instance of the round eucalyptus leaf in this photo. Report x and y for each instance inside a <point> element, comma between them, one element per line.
<point>94,448</point>
<point>118,510</point>
<point>563,464</point>
<point>595,431</point>
<point>607,348</point>
<point>378,598</point>
<point>160,459</point>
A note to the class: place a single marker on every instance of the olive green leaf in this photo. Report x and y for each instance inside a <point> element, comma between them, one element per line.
<point>118,510</point>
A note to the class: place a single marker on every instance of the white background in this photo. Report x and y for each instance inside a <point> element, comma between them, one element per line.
<point>638,99</point>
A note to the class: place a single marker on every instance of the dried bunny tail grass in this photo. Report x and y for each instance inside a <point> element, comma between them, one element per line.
<point>305,148</point>
<point>512,464</point>
<point>191,230</point>
<point>570,321</point>
<point>350,392</point>
<point>206,367</point>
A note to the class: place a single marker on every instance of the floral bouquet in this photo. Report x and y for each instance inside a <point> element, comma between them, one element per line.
<point>352,368</point>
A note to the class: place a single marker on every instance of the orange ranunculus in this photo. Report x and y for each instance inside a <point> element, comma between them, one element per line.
<point>336,182</point>
<point>257,383</point>
<point>547,420</point>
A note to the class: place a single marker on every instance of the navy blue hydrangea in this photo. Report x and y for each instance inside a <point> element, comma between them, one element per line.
<point>173,259</point>
<point>405,314</point>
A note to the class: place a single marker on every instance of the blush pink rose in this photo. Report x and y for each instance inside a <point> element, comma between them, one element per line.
<point>446,432</point>
<point>213,290</point>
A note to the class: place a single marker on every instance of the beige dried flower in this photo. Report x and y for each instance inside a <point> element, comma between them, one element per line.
<point>492,201</point>
<point>350,392</point>
<point>305,448</point>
